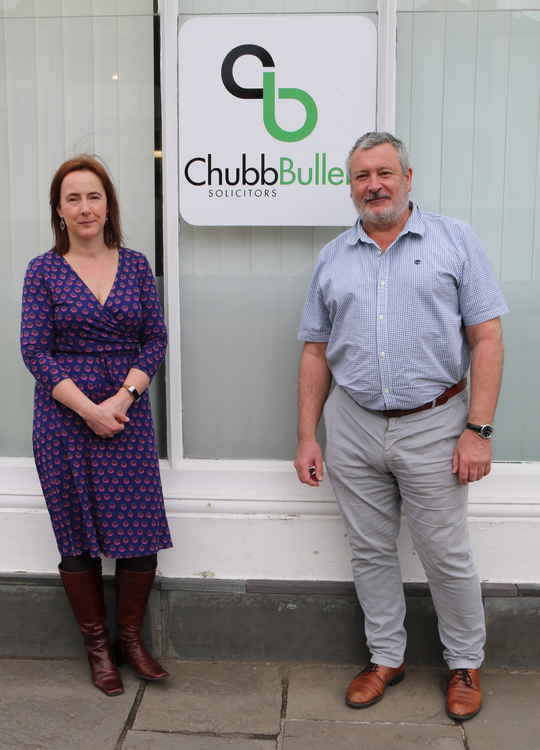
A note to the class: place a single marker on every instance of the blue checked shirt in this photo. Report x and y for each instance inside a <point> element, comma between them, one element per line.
<point>394,320</point>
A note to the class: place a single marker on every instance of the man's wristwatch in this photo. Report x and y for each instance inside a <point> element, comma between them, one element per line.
<point>134,392</point>
<point>485,431</point>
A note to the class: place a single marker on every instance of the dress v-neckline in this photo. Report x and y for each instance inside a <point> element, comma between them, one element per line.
<point>85,285</point>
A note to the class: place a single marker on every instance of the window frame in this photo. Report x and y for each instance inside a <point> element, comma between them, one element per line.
<point>511,492</point>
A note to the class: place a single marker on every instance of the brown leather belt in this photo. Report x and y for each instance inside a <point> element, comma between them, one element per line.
<point>439,401</point>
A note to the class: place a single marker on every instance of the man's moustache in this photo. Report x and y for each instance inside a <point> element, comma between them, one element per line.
<point>376,198</point>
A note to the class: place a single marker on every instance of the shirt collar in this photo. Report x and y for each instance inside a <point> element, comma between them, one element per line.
<point>415,225</point>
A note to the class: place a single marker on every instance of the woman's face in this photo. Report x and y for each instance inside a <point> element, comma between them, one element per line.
<point>83,205</point>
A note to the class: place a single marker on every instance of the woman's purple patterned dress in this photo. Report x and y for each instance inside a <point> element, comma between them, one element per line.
<point>103,494</point>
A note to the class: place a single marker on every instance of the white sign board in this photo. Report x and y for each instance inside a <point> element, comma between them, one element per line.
<point>269,108</point>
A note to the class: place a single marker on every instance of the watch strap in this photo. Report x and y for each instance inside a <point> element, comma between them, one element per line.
<point>132,391</point>
<point>485,431</point>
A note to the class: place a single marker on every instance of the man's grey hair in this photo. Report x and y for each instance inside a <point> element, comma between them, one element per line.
<point>370,140</point>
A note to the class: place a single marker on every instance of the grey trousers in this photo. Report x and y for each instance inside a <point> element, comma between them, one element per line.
<point>378,467</point>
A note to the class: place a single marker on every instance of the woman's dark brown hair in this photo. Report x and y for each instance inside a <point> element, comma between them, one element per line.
<point>112,232</point>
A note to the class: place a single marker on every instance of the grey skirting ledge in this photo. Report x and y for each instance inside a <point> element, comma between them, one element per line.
<point>305,621</point>
<point>327,588</point>
<point>265,586</point>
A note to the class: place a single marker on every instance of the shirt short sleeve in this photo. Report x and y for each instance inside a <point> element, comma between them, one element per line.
<point>315,324</point>
<point>480,297</point>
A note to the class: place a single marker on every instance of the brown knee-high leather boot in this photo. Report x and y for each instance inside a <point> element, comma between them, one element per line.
<point>85,593</point>
<point>132,592</point>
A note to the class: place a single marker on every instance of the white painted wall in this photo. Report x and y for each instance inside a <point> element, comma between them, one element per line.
<point>252,519</point>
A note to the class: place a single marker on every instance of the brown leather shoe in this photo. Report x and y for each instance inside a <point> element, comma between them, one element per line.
<point>369,685</point>
<point>463,696</point>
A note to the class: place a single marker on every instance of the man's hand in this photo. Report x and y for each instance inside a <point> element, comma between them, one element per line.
<point>472,457</point>
<point>309,463</point>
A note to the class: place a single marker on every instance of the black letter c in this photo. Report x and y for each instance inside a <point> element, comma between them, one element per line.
<point>188,165</point>
<point>227,70</point>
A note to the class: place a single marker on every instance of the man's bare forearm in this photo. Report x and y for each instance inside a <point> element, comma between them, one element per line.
<point>314,380</point>
<point>472,454</point>
<point>487,358</point>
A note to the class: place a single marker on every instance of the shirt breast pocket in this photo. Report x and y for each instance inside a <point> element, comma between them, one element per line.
<point>446,289</point>
<point>431,285</point>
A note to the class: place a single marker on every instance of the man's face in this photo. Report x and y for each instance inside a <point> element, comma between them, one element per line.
<point>379,189</point>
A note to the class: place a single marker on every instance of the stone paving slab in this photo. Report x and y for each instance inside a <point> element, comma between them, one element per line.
<point>222,697</point>
<point>52,705</point>
<point>317,692</point>
<point>317,735</point>
<point>164,741</point>
<point>510,717</point>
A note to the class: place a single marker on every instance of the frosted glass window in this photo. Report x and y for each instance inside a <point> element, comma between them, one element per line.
<point>468,96</point>
<point>67,85</point>
<point>242,292</point>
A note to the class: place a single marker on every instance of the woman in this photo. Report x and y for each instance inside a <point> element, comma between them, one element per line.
<point>93,336</point>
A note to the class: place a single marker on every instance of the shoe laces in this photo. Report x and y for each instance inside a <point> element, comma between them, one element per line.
<point>370,667</point>
<point>464,676</point>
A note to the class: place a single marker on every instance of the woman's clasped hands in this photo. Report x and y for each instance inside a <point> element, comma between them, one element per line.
<point>108,418</point>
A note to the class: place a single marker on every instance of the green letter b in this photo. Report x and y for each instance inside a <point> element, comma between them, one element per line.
<point>269,110</point>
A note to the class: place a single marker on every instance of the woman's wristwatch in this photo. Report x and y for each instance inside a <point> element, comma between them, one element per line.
<point>133,391</point>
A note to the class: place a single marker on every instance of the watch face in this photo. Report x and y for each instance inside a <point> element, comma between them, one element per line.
<point>487,431</point>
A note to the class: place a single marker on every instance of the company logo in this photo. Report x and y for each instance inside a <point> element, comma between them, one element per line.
<point>268,93</point>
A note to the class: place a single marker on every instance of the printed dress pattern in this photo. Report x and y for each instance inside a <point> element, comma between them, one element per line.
<point>103,494</point>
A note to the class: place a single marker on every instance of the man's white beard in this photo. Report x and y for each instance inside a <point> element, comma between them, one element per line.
<point>387,217</point>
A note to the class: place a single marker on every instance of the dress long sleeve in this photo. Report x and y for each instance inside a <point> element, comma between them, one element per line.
<point>37,328</point>
<point>153,334</point>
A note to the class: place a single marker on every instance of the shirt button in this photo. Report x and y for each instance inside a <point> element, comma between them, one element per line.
<point>387,390</point>
<point>382,354</point>
<point>381,317</point>
<point>383,283</point>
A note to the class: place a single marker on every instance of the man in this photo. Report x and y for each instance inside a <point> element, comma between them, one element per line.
<point>398,308</point>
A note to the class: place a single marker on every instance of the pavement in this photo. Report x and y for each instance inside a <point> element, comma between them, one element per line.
<point>51,705</point>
